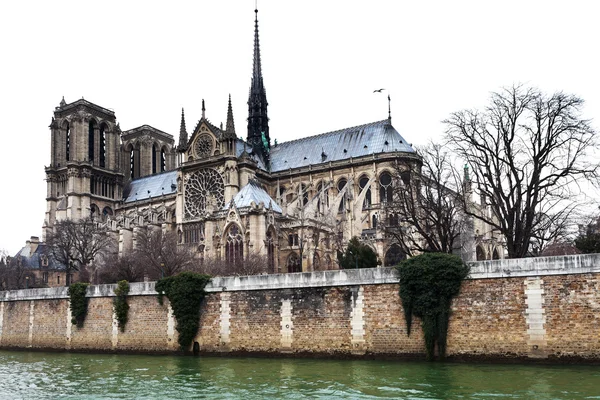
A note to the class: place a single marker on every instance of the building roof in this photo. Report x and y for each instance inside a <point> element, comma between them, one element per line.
<point>358,141</point>
<point>33,260</point>
<point>151,186</point>
<point>253,192</point>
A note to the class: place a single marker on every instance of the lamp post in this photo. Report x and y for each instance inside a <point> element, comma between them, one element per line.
<point>355,259</point>
<point>162,269</point>
<point>26,282</point>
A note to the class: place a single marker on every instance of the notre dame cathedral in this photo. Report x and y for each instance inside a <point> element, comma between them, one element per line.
<point>294,203</point>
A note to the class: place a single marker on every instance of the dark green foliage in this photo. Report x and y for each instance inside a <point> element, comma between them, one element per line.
<point>588,243</point>
<point>120,306</point>
<point>357,255</point>
<point>79,303</point>
<point>185,292</point>
<point>428,283</point>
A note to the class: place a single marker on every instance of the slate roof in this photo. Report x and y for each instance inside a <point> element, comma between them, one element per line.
<point>362,140</point>
<point>151,186</point>
<point>33,260</point>
<point>252,192</point>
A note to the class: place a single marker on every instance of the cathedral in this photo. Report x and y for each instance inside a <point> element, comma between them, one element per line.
<point>294,203</point>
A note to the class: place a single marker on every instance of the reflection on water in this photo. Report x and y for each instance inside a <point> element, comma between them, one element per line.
<point>33,375</point>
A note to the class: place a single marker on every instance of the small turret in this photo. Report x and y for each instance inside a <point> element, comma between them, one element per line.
<point>183,135</point>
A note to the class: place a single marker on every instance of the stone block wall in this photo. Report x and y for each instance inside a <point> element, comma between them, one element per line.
<point>503,311</point>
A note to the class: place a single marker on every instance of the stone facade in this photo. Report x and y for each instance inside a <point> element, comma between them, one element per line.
<point>354,313</point>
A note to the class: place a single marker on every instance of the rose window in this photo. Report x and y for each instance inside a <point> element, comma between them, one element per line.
<point>204,146</point>
<point>202,188</point>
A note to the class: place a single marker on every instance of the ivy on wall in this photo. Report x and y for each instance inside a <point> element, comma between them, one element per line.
<point>185,292</point>
<point>79,303</point>
<point>120,306</point>
<point>428,283</point>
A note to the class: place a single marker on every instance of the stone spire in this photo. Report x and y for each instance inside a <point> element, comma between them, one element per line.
<point>258,121</point>
<point>230,127</point>
<point>203,110</point>
<point>63,102</point>
<point>183,136</point>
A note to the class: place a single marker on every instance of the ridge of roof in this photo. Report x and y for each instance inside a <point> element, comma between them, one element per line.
<point>333,132</point>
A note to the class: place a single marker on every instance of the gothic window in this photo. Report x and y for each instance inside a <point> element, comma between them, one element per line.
<point>68,142</point>
<point>394,256</point>
<point>362,183</point>
<point>393,219</point>
<point>234,246</point>
<point>163,160</point>
<point>316,262</point>
<point>374,226</point>
<point>134,161</point>
<point>154,158</point>
<point>193,233</point>
<point>203,146</point>
<point>293,263</point>
<point>103,145</point>
<point>91,137</point>
<point>480,253</point>
<point>270,251</point>
<point>323,201</point>
<point>94,211</point>
<point>385,188</point>
<point>199,188</point>
<point>340,186</point>
<point>107,212</point>
<point>327,262</point>
<point>304,193</point>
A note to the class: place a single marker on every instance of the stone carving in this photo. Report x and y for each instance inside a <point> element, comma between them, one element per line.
<point>199,187</point>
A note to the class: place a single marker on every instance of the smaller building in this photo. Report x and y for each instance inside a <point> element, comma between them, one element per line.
<point>34,267</point>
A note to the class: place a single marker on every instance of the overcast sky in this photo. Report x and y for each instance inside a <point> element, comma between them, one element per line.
<point>321,62</point>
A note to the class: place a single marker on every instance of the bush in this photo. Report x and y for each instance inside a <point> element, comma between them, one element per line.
<point>120,306</point>
<point>357,255</point>
<point>428,283</point>
<point>185,292</point>
<point>79,303</point>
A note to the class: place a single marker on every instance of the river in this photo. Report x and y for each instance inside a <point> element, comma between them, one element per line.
<point>35,375</point>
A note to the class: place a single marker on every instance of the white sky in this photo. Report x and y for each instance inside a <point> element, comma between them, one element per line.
<point>321,62</point>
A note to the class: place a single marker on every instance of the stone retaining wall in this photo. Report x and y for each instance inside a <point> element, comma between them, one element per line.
<point>531,309</point>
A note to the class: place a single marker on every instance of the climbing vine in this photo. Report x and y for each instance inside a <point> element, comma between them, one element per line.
<point>120,306</point>
<point>185,292</point>
<point>79,303</point>
<point>428,283</point>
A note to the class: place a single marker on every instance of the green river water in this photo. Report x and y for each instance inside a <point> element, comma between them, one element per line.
<point>34,375</point>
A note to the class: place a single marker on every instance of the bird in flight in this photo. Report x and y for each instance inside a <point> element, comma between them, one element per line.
<point>378,90</point>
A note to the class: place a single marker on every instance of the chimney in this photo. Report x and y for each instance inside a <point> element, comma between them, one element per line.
<point>34,242</point>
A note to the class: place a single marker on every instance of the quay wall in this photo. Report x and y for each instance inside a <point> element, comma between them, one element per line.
<point>539,308</point>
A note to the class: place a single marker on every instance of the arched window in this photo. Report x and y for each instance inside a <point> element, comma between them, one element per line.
<point>362,183</point>
<point>495,255</point>
<point>163,160</point>
<point>271,251</point>
<point>134,161</point>
<point>293,263</point>
<point>234,246</point>
<point>385,188</point>
<point>323,200</point>
<point>393,219</point>
<point>394,256</point>
<point>91,139</point>
<point>103,145</point>
<point>154,155</point>
<point>67,142</point>
<point>340,186</point>
<point>304,194</point>
<point>374,226</point>
<point>480,253</point>
<point>94,211</point>
<point>107,212</point>
<point>316,262</point>
<point>327,262</point>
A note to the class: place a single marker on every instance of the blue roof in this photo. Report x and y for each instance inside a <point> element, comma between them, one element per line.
<point>376,137</point>
<point>151,186</point>
<point>33,260</point>
<point>252,192</point>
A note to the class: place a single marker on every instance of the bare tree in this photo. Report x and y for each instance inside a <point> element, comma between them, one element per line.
<point>127,267</point>
<point>254,264</point>
<point>425,214</point>
<point>528,152</point>
<point>161,254</point>
<point>76,244</point>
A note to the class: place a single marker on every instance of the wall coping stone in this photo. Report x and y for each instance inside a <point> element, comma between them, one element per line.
<point>507,268</point>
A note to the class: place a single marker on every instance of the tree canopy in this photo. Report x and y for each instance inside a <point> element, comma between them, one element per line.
<point>528,153</point>
<point>357,255</point>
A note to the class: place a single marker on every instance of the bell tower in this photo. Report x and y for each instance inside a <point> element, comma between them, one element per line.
<point>84,178</point>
